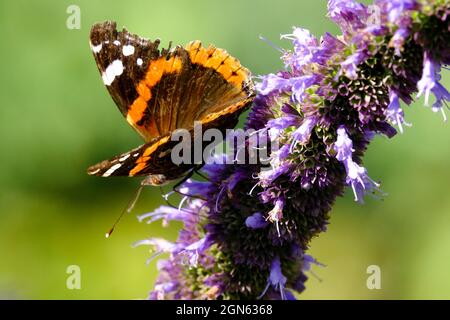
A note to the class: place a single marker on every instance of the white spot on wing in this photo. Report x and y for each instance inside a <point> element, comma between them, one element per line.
<point>112,71</point>
<point>97,48</point>
<point>139,61</point>
<point>111,170</point>
<point>127,50</point>
<point>117,42</point>
<point>125,157</point>
<point>94,172</point>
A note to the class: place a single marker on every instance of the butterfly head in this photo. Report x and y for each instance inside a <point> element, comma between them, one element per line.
<point>155,180</point>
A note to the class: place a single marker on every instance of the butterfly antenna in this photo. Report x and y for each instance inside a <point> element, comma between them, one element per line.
<point>127,209</point>
<point>270,43</point>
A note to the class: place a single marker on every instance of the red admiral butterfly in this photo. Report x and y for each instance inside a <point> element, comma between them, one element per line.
<point>159,91</point>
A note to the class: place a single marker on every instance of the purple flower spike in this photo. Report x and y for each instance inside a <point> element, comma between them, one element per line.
<point>309,126</point>
<point>276,279</point>
<point>256,221</point>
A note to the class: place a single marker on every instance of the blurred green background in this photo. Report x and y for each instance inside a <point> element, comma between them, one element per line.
<point>57,118</point>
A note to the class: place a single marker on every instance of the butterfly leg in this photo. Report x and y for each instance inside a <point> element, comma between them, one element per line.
<point>185,178</point>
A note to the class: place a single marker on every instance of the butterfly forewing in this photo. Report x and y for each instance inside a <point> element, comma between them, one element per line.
<point>123,60</point>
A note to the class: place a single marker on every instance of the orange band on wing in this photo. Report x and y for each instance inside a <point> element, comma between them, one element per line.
<point>146,156</point>
<point>211,57</point>
<point>136,111</point>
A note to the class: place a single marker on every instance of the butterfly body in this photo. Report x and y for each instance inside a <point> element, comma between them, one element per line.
<point>161,91</point>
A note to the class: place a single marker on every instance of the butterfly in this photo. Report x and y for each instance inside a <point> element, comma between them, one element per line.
<point>161,91</point>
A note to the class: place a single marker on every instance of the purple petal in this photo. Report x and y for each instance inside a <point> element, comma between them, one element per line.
<point>394,112</point>
<point>267,176</point>
<point>442,96</point>
<point>343,145</point>
<point>300,84</point>
<point>357,176</point>
<point>428,80</point>
<point>256,221</point>
<point>302,133</point>
<point>348,14</point>
<point>271,83</point>
<point>305,44</point>
<point>276,214</point>
<point>284,122</point>
<point>194,188</point>
<point>350,65</point>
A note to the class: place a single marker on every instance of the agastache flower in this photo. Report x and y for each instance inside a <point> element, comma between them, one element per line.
<point>271,83</point>
<point>167,214</point>
<point>396,8</point>
<point>276,279</point>
<point>442,96</point>
<point>394,112</point>
<point>276,214</point>
<point>193,250</point>
<point>357,176</point>
<point>428,80</point>
<point>348,14</point>
<point>296,85</point>
<point>266,177</point>
<point>350,65</point>
<point>301,135</point>
<point>300,84</point>
<point>430,83</point>
<point>305,45</point>
<point>399,39</point>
